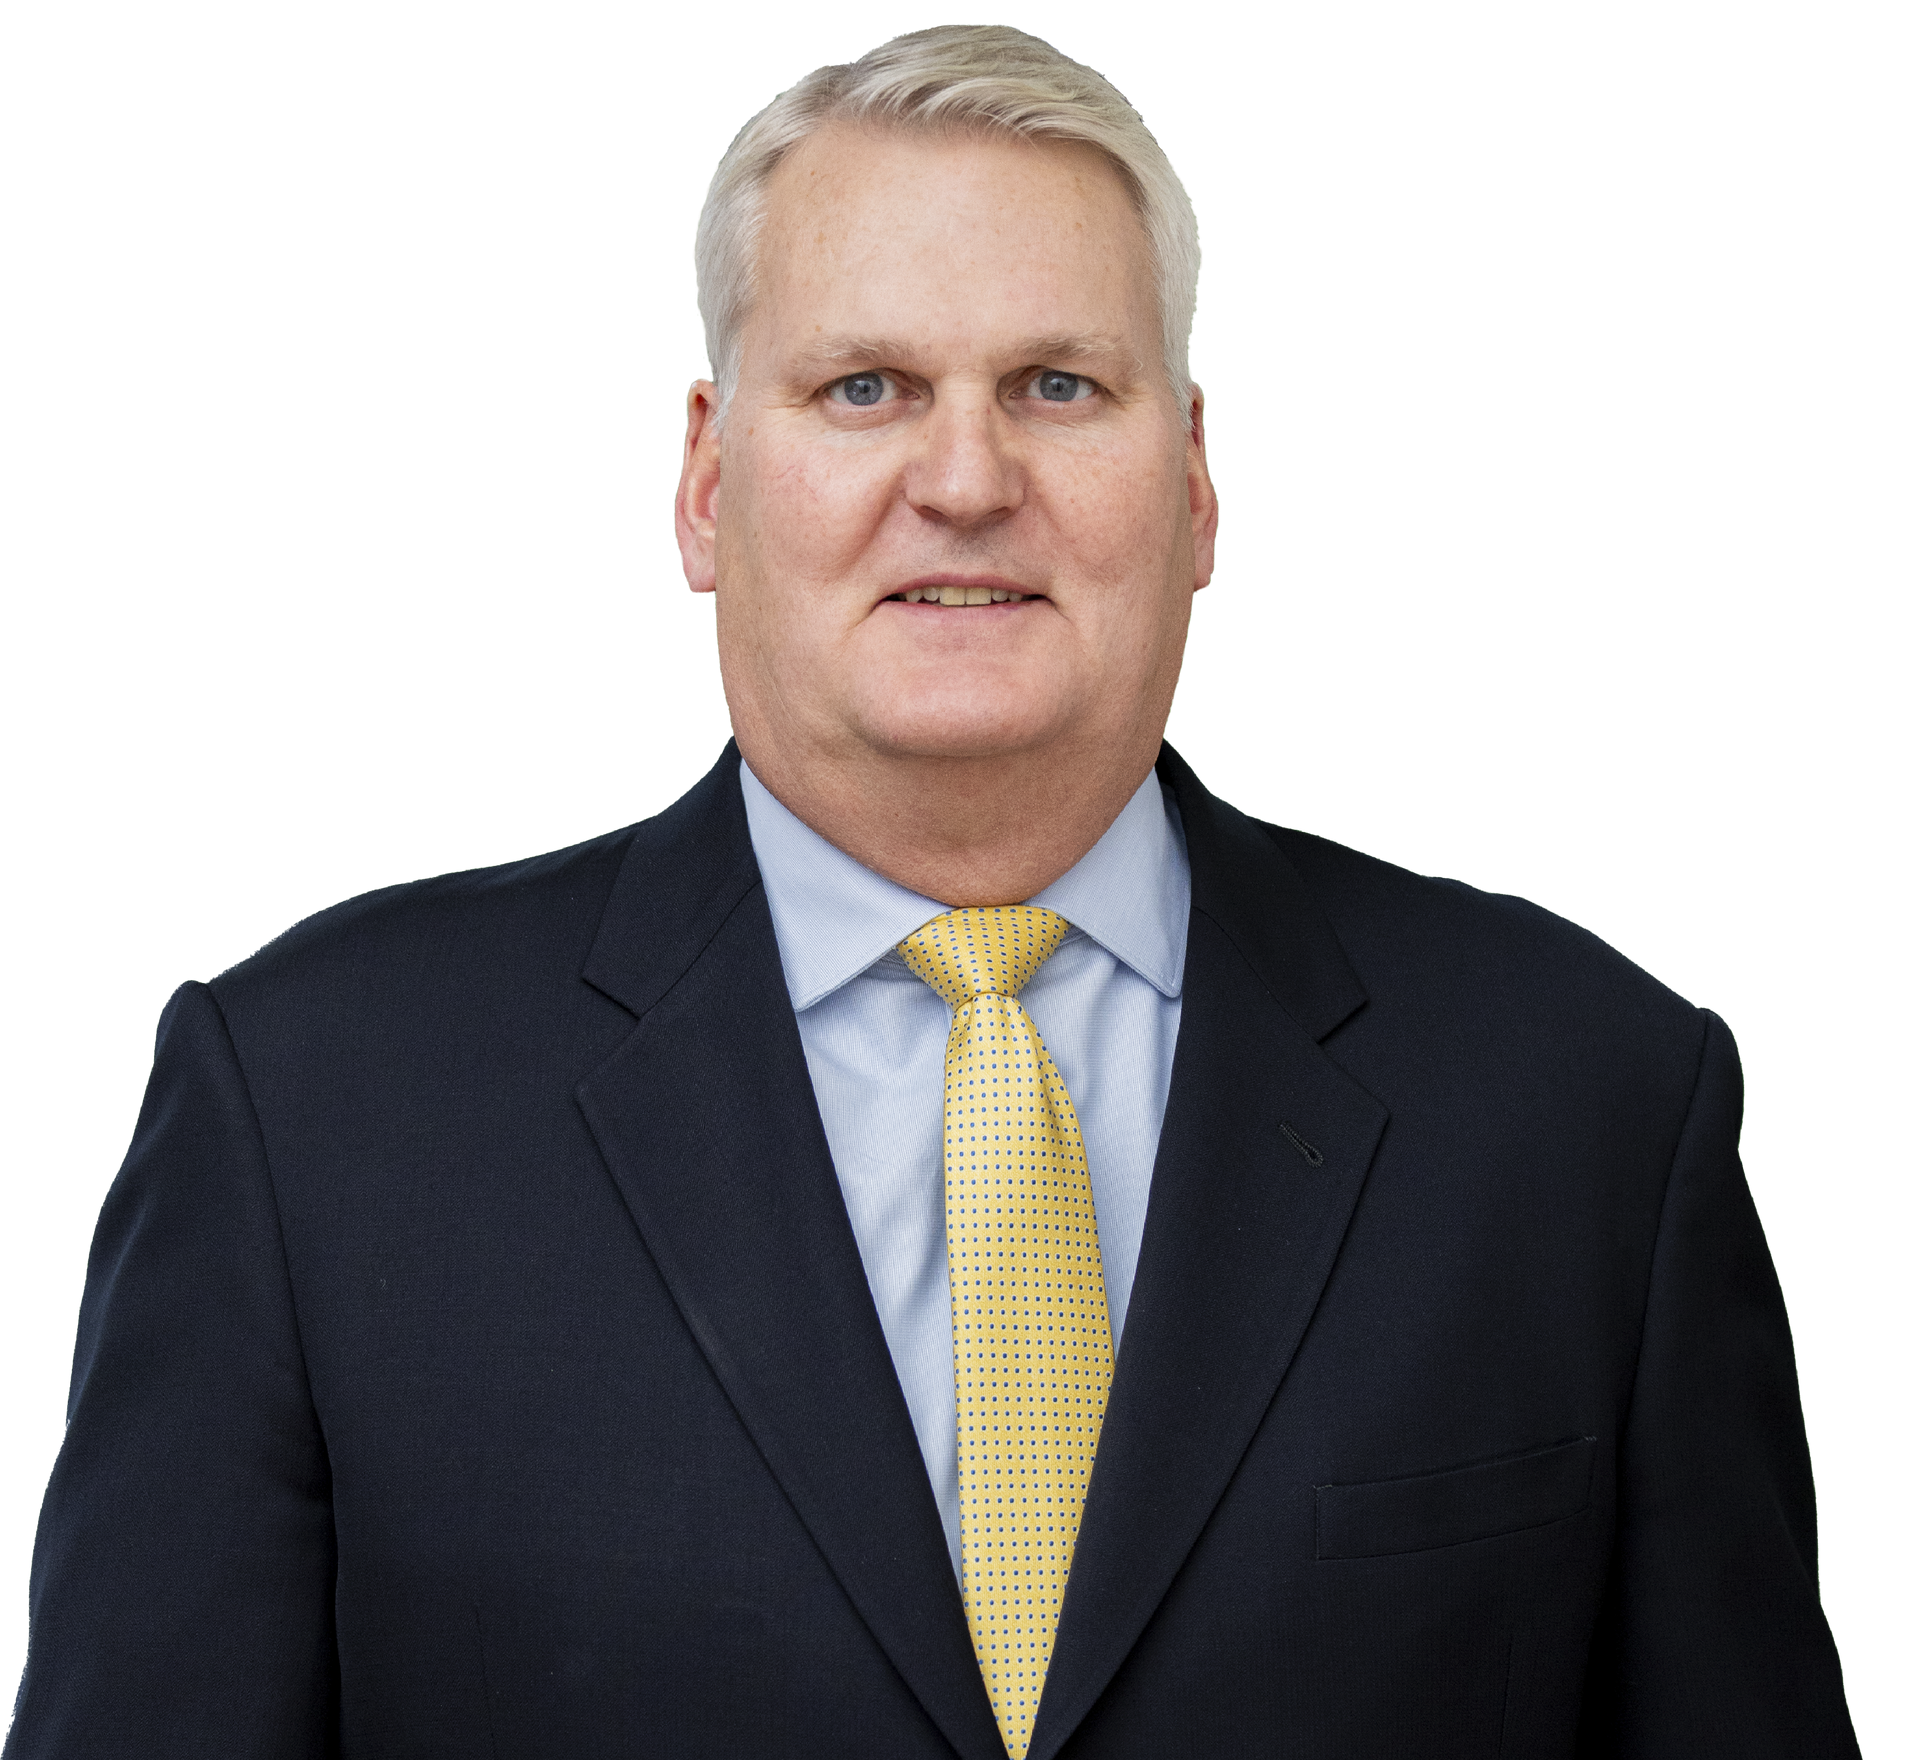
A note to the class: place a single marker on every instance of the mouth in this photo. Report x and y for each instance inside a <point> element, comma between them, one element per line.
<point>961,592</point>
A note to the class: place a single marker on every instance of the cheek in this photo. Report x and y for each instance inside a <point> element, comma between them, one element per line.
<point>807,512</point>
<point>1121,515</point>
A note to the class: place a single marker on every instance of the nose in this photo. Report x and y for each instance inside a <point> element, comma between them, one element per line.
<point>964,473</point>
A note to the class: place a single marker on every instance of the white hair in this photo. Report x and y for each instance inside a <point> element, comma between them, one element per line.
<point>988,78</point>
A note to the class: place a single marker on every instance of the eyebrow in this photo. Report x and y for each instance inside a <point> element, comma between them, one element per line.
<point>834,351</point>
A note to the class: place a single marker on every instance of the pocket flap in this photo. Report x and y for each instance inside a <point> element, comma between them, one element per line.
<point>1444,1509</point>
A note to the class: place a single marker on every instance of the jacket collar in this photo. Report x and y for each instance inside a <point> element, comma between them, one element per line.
<point>685,872</point>
<point>689,866</point>
<point>1246,885</point>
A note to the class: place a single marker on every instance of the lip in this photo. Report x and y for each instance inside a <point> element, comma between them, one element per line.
<point>995,583</point>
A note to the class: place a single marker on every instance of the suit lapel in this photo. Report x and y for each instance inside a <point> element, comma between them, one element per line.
<point>1262,1154</point>
<point>707,1119</point>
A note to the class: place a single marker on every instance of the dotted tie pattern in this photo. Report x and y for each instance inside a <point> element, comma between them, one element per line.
<point>1032,1349</point>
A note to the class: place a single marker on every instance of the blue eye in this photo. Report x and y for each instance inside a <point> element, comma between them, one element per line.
<point>863,389</point>
<point>1057,387</point>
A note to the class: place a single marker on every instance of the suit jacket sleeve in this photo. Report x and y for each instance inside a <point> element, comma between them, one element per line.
<point>1713,1642</point>
<point>181,1594</point>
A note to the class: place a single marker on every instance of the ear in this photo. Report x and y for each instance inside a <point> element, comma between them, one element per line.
<point>696,507</point>
<point>1203,505</point>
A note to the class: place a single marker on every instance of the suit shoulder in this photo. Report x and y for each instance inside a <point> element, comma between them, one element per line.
<point>512,918</point>
<point>1404,930</point>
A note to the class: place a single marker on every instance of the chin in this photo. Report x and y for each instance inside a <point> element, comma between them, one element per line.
<point>969,706</point>
<point>969,729</point>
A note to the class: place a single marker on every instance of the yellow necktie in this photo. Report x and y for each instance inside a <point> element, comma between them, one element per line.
<point>1032,1351</point>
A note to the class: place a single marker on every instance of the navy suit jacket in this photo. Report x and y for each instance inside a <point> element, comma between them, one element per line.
<point>476,1359</point>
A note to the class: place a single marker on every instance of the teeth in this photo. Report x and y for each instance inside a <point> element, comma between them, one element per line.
<point>961,596</point>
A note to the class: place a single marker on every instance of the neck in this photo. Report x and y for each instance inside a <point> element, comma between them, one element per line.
<point>960,830</point>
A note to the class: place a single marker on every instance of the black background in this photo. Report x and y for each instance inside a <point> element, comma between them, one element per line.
<point>371,361</point>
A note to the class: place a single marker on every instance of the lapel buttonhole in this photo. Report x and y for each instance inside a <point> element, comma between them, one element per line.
<point>1312,1156</point>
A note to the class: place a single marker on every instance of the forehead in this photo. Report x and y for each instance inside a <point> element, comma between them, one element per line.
<point>876,232</point>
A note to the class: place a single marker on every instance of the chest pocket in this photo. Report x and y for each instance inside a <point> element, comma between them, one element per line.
<point>1449,1508</point>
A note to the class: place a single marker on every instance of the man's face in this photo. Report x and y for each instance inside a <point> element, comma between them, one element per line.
<point>951,389</point>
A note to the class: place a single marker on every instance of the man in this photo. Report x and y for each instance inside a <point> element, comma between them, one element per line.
<point>950,1240</point>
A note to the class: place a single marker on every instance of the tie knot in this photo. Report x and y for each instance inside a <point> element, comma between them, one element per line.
<point>983,949</point>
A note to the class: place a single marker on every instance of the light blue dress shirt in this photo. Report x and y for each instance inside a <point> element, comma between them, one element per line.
<point>1107,1004</point>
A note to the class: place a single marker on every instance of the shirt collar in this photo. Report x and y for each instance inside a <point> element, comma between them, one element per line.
<point>833,918</point>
